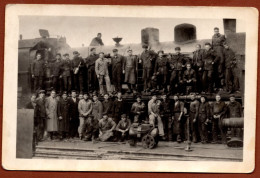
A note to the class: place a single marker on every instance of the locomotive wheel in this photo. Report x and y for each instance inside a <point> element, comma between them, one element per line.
<point>148,141</point>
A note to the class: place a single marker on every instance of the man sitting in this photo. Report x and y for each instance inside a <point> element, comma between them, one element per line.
<point>106,128</point>
<point>122,128</point>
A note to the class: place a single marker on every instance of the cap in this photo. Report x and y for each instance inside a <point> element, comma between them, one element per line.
<point>207,44</point>
<point>123,115</point>
<point>138,96</point>
<point>129,50</point>
<point>73,91</point>
<point>64,93</point>
<point>115,50</point>
<point>232,95</point>
<point>177,48</point>
<point>66,54</point>
<point>75,52</point>
<point>41,91</point>
<point>145,46</point>
<point>216,28</point>
<point>161,51</point>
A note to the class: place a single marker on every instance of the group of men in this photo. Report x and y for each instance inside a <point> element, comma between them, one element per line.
<point>86,117</point>
<point>213,67</point>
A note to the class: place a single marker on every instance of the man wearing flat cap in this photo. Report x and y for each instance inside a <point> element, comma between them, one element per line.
<point>130,69</point>
<point>117,70</point>
<point>37,71</point>
<point>57,72</point>
<point>161,70</point>
<point>147,58</point>
<point>78,71</point>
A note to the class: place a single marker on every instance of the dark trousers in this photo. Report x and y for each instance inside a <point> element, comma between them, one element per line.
<point>39,126</point>
<point>67,83</point>
<point>92,79</point>
<point>216,127</point>
<point>190,87</point>
<point>117,79</point>
<point>117,117</point>
<point>193,126</point>
<point>38,82</point>
<point>56,83</point>
<point>162,81</point>
<point>78,82</point>
<point>202,127</point>
<point>91,129</point>
<point>199,81</point>
<point>147,75</point>
<point>119,135</point>
<point>74,124</point>
<point>231,80</point>
<point>207,81</point>
<point>176,82</point>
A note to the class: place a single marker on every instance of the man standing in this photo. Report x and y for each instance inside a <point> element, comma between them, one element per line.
<point>231,78</point>
<point>203,119</point>
<point>138,110</point>
<point>40,116</point>
<point>101,68</point>
<point>56,73</point>
<point>97,110</point>
<point>217,45</point>
<point>117,69</point>
<point>209,58</point>
<point>92,77</point>
<point>85,109</point>
<point>147,57</point>
<point>74,114</point>
<point>189,78</point>
<point>37,71</point>
<point>119,107</point>
<point>219,111</point>
<point>78,71</point>
<point>161,70</point>
<point>165,112</point>
<point>234,110</point>
<point>64,116</point>
<point>51,106</point>
<point>107,105</point>
<point>130,68</point>
<point>66,72</point>
<point>197,63</point>
<point>193,118</point>
<point>176,122</point>
<point>106,128</point>
<point>177,65</point>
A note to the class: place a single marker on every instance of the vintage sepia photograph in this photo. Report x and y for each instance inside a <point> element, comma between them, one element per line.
<point>132,88</point>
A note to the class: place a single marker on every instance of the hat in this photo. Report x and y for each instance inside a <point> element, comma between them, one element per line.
<point>139,96</point>
<point>129,50</point>
<point>177,48</point>
<point>64,93</point>
<point>123,115</point>
<point>58,54</point>
<point>41,91</point>
<point>160,51</point>
<point>145,46</point>
<point>66,54</point>
<point>232,95</point>
<point>75,52</point>
<point>115,50</point>
<point>81,93</point>
<point>207,44</point>
<point>85,93</point>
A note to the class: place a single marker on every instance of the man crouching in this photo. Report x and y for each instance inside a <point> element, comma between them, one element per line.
<point>106,128</point>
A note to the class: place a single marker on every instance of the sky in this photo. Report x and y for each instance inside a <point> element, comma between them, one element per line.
<point>81,30</point>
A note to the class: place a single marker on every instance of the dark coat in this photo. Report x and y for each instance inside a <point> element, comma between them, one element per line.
<point>64,112</point>
<point>209,57</point>
<point>107,107</point>
<point>37,68</point>
<point>177,62</point>
<point>39,110</point>
<point>197,58</point>
<point>204,112</point>
<point>147,56</point>
<point>119,107</point>
<point>74,112</point>
<point>117,63</point>
<point>234,110</point>
<point>56,68</point>
<point>229,57</point>
<point>66,68</point>
<point>189,75</point>
<point>75,63</point>
<point>90,60</point>
<point>161,66</point>
<point>218,40</point>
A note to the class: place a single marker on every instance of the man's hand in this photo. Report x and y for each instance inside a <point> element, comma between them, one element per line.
<point>179,119</point>
<point>194,120</point>
<point>32,76</point>
<point>98,76</point>
<point>123,71</point>
<point>200,69</point>
<point>60,76</point>
<point>60,117</point>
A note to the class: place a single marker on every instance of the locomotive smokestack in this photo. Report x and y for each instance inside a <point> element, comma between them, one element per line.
<point>150,36</point>
<point>229,26</point>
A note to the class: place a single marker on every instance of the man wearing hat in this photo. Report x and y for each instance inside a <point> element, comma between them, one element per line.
<point>117,69</point>
<point>106,128</point>
<point>189,79</point>
<point>101,69</point>
<point>78,71</point>
<point>64,115</point>
<point>161,70</point>
<point>130,69</point>
<point>210,58</point>
<point>177,66</point>
<point>234,110</point>
<point>40,116</point>
<point>56,72</point>
<point>147,57</point>
<point>85,110</point>
<point>138,110</point>
<point>37,71</point>
<point>231,79</point>
<point>66,72</point>
<point>217,45</point>
<point>122,128</point>
<point>92,77</point>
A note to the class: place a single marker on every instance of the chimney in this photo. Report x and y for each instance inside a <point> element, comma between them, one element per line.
<point>229,26</point>
<point>150,36</point>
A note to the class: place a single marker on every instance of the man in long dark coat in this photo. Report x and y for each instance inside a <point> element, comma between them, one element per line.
<point>161,70</point>
<point>78,71</point>
<point>130,68</point>
<point>66,73</point>
<point>197,63</point>
<point>74,116</point>
<point>117,69</point>
<point>64,116</point>
<point>37,71</point>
